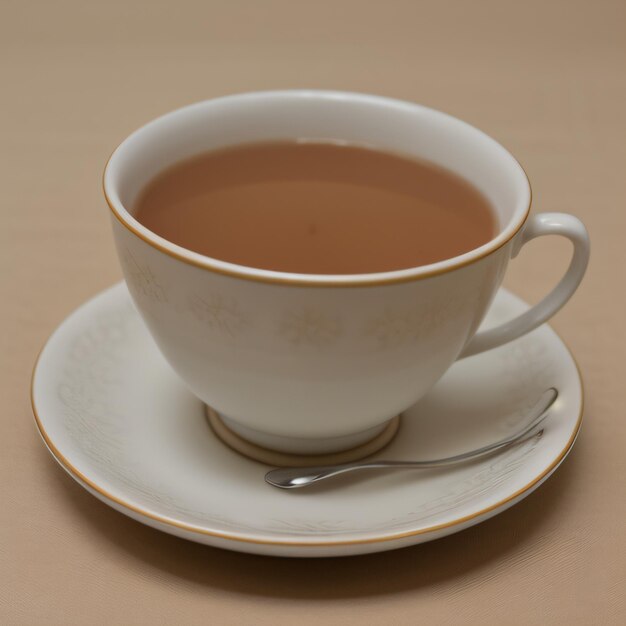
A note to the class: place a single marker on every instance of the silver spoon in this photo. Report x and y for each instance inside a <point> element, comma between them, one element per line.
<point>296,477</point>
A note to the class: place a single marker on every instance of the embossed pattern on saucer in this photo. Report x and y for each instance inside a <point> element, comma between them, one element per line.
<point>125,427</point>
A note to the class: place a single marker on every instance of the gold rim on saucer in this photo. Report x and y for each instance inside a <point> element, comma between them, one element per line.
<point>135,510</point>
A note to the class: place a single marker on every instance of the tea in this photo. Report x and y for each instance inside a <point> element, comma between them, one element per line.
<point>316,208</point>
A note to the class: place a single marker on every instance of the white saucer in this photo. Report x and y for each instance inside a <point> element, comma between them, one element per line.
<point>125,427</point>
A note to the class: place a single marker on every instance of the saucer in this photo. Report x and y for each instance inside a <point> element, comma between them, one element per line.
<point>125,427</point>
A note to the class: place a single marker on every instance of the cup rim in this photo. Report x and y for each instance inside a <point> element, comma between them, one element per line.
<point>126,219</point>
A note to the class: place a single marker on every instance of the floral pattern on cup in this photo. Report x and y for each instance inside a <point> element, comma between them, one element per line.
<point>310,327</point>
<point>219,313</point>
<point>392,328</point>
<point>141,279</point>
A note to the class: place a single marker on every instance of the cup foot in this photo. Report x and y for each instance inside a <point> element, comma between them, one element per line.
<point>285,459</point>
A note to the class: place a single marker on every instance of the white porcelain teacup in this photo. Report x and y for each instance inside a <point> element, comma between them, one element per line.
<point>318,363</point>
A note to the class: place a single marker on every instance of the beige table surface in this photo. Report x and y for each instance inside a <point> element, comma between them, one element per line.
<point>545,78</point>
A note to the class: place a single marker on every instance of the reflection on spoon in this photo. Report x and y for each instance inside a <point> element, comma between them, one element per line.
<point>297,477</point>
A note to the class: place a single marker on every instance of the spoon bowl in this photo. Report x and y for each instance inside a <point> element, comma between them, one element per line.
<point>298,477</point>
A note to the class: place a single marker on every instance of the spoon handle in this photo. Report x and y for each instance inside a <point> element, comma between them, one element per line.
<point>296,477</point>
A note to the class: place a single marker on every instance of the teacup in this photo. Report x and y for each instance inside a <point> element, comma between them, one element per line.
<point>315,364</point>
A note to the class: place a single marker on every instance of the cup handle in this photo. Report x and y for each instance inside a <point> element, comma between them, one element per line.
<point>537,226</point>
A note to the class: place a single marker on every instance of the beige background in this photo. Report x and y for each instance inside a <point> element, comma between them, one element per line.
<point>545,78</point>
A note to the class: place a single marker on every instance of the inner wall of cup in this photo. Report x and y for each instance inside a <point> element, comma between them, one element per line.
<point>377,122</point>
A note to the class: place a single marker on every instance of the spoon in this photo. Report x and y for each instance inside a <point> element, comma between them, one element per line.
<point>297,477</point>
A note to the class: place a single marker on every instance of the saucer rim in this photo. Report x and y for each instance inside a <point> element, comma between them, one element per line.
<point>130,508</point>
